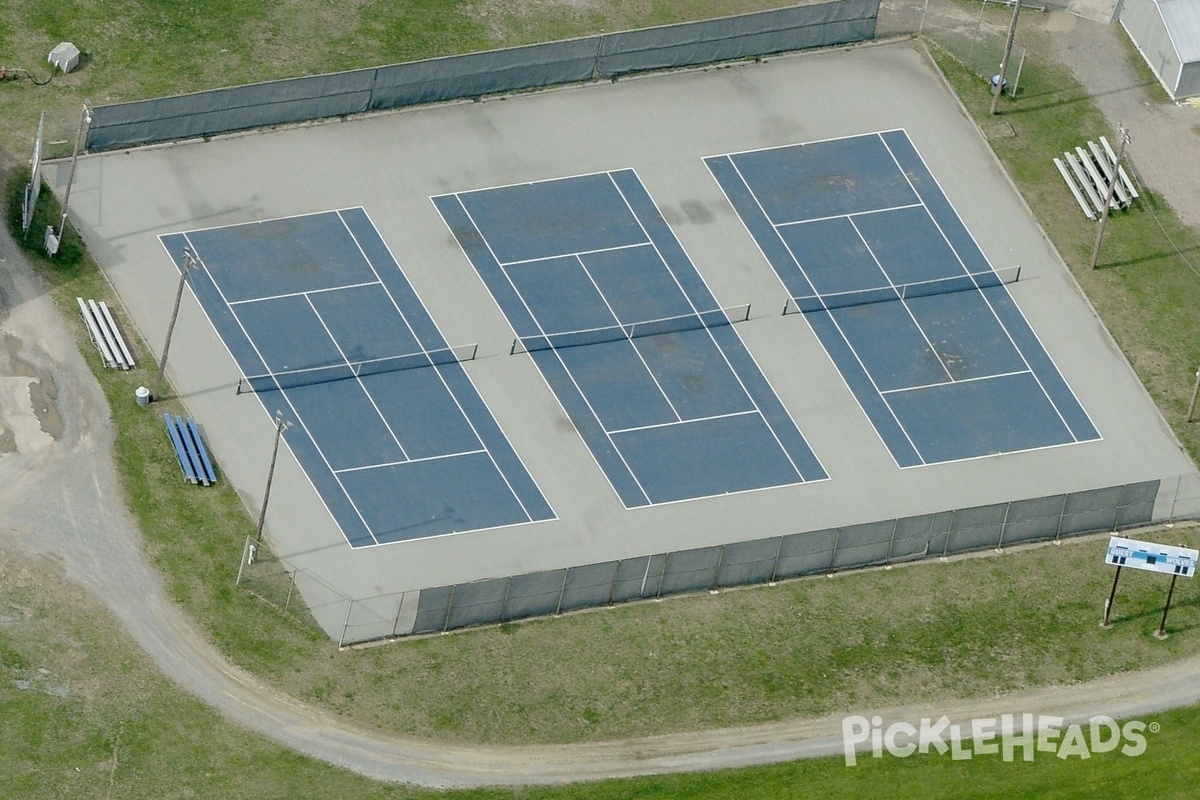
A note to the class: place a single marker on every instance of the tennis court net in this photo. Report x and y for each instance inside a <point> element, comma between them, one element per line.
<point>635,330</point>
<point>966,282</point>
<point>290,379</point>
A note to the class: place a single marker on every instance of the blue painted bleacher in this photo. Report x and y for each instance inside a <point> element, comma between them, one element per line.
<point>189,449</point>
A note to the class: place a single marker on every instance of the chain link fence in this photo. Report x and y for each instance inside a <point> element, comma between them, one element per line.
<point>473,75</point>
<point>294,592</point>
<point>973,32</point>
<point>551,592</point>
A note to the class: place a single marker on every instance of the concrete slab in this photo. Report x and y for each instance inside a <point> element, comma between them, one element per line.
<point>662,126</point>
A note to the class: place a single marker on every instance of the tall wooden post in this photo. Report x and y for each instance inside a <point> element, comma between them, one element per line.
<point>189,261</point>
<point>280,427</point>
<point>1162,625</point>
<point>85,117</point>
<point>1111,596</point>
<point>1112,189</point>
<point>998,89</point>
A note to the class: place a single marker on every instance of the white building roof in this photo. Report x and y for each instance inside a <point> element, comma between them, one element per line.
<point>1182,20</point>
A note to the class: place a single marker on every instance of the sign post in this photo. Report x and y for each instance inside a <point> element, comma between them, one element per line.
<point>1152,557</point>
<point>1111,596</point>
<point>1162,625</point>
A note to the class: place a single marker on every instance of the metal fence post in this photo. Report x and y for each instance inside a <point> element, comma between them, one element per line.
<point>892,543</point>
<point>717,574</point>
<point>929,537</point>
<point>242,565</point>
<point>345,625</point>
<point>504,602</point>
<point>775,566</point>
<point>1062,513</point>
<point>596,64</point>
<point>1175,498</point>
<point>1120,505</point>
<point>1007,508</point>
<point>837,538</point>
<point>612,589</point>
<point>449,606</point>
<point>949,530</point>
<point>562,589</point>
<point>400,609</point>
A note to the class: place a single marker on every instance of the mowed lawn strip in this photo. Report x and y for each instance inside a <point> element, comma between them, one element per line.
<point>87,715</point>
<point>138,49</point>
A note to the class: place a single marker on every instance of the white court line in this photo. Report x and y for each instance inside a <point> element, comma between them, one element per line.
<point>849,216</point>
<point>357,378</point>
<point>466,375</point>
<point>283,392</point>
<point>752,150</point>
<point>305,293</point>
<point>708,330</point>
<point>1017,306</point>
<point>477,190</point>
<point>832,319</point>
<point>991,308</point>
<point>580,254</point>
<point>261,405</point>
<point>981,456</point>
<point>417,339</point>
<point>632,343</point>
<point>559,358</point>
<point>682,422</point>
<point>961,380</point>
<point>413,461</point>
<point>246,224</point>
<point>903,302</point>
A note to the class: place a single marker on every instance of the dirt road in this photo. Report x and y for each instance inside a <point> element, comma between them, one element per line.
<point>59,500</point>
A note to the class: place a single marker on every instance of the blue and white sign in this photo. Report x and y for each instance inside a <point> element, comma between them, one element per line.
<point>1152,556</point>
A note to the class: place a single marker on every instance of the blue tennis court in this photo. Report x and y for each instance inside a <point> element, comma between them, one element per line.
<point>394,436</point>
<point>645,363</point>
<point>924,331</point>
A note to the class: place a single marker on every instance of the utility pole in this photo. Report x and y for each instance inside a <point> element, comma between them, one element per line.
<point>189,261</point>
<point>280,427</point>
<point>52,243</point>
<point>998,89</point>
<point>1112,189</point>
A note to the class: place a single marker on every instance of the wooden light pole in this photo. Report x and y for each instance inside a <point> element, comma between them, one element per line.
<point>1112,190</point>
<point>998,89</point>
<point>84,118</point>
<point>280,427</point>
<point>189,261</point>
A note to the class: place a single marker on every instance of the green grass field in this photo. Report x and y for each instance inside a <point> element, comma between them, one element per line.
<point>681,664</point>
<point>87,716</point>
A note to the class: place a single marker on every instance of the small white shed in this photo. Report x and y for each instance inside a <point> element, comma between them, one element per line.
<point>1167,32</point>
<point>65,56</point>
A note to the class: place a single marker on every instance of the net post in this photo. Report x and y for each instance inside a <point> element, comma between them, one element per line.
<point>786,303</point>
<point>512,351</point>
<point>1016,279</point>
